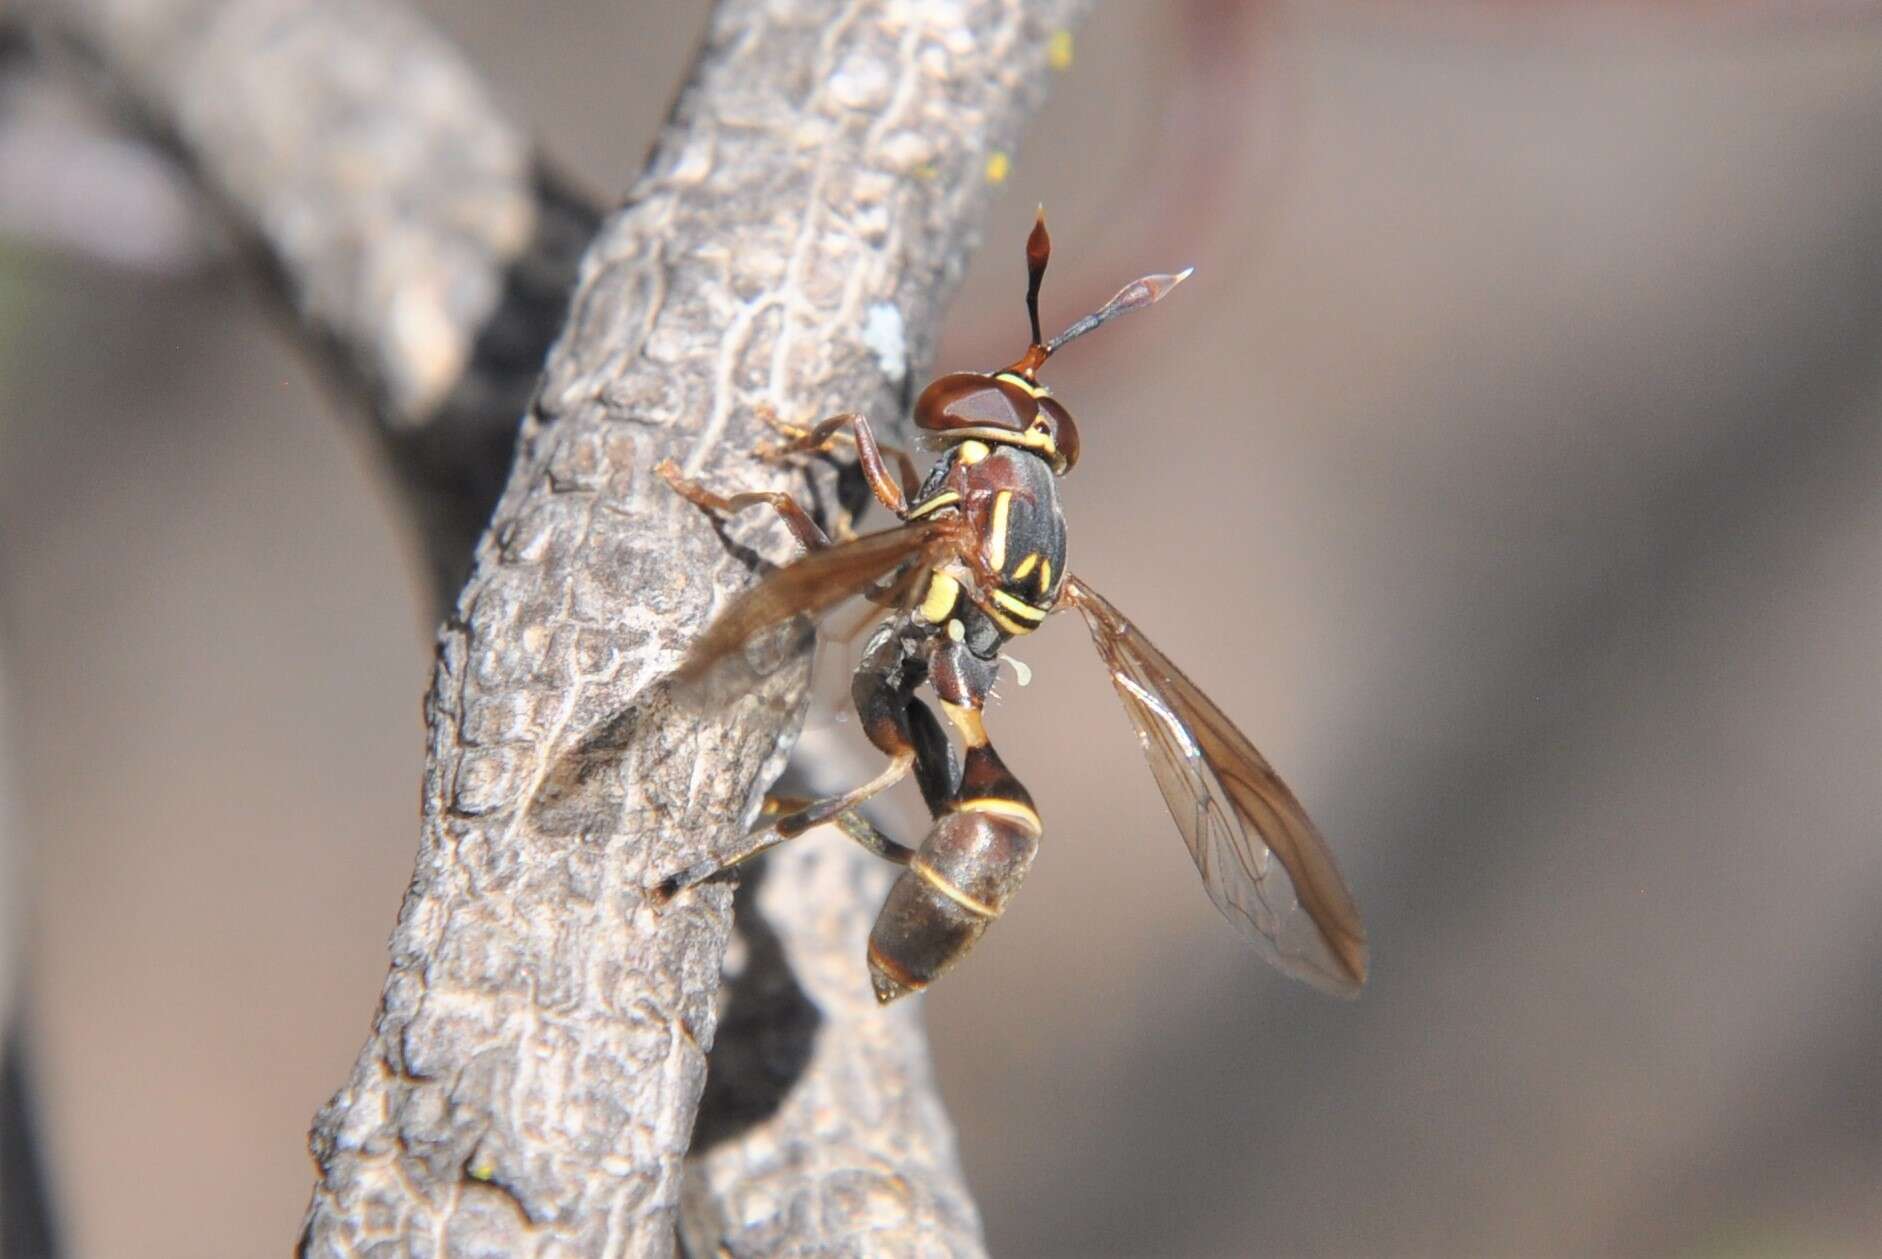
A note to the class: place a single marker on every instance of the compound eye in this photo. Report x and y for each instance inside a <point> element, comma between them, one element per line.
<point>971,400</point>
<point>1056,422</point>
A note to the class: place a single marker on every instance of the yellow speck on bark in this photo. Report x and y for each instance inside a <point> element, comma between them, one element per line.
<point>1059,50</point>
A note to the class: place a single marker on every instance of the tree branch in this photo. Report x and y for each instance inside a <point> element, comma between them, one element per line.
<point>531,1080</point>
<point>534,1069</point>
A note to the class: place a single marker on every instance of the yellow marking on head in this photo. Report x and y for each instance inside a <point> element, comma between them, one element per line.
<point>957,632</point>
<point>1002,808</point>
<point>967,721</point>
<point>1032,387</point>
<point>1059,50</point>
<point>943,593</point>
<point>998,167</point>
<point>1027,565</point>
<point>934,504</point>
<point>1018,606</point>
<point>972,452</point>
<point>1045,575</point>
<point>933,879</point>
<point>996,545</point>
<point>1026,439</point>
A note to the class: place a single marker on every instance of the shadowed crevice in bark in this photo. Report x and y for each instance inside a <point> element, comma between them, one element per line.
<point>453,466</point>
<point>26,1229</point>
<point>766,1036</point>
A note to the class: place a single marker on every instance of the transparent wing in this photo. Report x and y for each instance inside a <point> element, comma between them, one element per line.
<point>812,586</point>
<point>775,620</point>
<point>1264,864</point>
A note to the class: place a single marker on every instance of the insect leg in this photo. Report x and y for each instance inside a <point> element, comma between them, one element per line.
<point>869,453</point>
<point>764,839</point>
<point>666,889</point>
<point>796,519</point>
<point>897,723</point>
<point>864,832</point>
<point>818,812</point>
<point>851,822</point>
<point>790,826</point>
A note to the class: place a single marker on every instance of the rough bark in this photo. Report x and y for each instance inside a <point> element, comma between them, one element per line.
<point>532,1077</point>
<point>531,1080</point>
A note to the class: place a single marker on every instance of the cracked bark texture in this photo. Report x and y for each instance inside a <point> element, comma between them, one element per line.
<point>531,1080</point>
<point>400,213</point>
<point>417,240</point>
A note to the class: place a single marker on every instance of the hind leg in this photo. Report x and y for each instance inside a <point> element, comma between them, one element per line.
<point>898,724</point>
<point>850,822</point>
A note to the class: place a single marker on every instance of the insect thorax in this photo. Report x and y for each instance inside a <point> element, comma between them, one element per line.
<point>1010,497</point>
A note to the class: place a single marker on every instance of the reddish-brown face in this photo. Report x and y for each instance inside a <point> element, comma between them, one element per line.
<point>1002,408</point>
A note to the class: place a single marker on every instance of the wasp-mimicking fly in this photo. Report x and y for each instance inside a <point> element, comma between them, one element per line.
<point>979,559</point>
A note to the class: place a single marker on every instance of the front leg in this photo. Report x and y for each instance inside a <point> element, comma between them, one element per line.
<point>869,454</point>
<point>806,530</point>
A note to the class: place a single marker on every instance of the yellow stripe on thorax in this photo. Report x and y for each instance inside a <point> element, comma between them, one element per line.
<point>1018,607</point>
<point>934,504</point>
<point>943,593</point>
<point>996,545</point>
<point>1006,622</point>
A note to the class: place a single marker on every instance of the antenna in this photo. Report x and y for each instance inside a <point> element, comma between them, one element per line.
<point>1038,253</point>
<point>1145,291</point>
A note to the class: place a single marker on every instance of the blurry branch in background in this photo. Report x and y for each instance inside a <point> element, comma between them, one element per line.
<point>25,1200</point>
<point>401,216</point>
<point>75,184</point>
<point>534,1071</point>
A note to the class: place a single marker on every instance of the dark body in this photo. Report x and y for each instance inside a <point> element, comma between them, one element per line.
<point>987,828</point>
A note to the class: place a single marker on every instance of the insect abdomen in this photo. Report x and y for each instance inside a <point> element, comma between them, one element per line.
<point>968,867</point>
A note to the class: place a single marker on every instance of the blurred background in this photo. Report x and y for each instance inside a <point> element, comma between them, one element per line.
<point>1511,469</point>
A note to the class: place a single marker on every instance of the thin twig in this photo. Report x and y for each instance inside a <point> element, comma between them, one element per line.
<point>402,217</point>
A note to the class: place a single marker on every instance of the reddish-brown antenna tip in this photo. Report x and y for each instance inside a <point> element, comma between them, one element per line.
<point>1038,244</point>
<point>1038,252</point>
